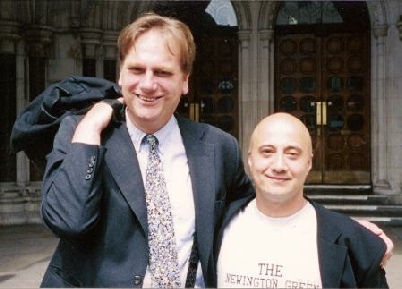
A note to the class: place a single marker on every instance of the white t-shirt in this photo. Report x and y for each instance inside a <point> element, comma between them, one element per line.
<point>263,252</point>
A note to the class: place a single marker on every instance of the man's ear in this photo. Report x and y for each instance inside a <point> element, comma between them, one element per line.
<point>184,89</point>
<point>249,163</point>
<point>310,162</point>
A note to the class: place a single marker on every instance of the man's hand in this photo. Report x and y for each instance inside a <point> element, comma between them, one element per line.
<point>96,119</point>
<point>380,233</point>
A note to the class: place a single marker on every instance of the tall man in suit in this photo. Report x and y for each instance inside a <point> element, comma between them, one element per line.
<point>93,188</point>
<point>281,239</point>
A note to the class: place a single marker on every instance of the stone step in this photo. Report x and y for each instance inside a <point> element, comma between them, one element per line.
<point>382,222</point>
<point>372,210</point>
<point>350,199</point>
<point>382,215</point>
<point>337,190</point>
<point>358,202</point>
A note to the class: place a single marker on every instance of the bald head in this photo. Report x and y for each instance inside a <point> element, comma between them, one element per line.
<point>280,124</point>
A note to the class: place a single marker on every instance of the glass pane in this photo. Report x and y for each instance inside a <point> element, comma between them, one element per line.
<point>226,86</point>
<point>307,103</point>
<point>355,83</point>
<point>225,104</point>
<point>288,85</point>
<point>335,84</point>
<point>288,104</point>
<point>307,12</point>
<point>335,122</point>
<point>308,84</point>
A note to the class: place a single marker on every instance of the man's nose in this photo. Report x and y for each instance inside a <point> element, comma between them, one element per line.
<point>279,162</point>
<point>148,81</point>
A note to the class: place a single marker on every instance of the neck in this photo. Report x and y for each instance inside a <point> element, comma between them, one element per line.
<point>279,208</point>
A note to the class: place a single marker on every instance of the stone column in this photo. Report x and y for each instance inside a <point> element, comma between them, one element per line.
<point>91,39</point>
<point>247,111</point>
<point>381,183</point>
<point>265,74</point>
<point>110,50</point>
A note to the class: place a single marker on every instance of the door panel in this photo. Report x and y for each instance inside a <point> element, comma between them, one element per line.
<point>213,96</point>
<point>323,80</point>
<point>345,92</point>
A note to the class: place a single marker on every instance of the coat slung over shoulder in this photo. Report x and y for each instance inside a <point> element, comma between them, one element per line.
<point>36,126</point>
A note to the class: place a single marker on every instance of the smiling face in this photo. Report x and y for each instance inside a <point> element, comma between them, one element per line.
<point>152,81</point>
<point>280,157</point>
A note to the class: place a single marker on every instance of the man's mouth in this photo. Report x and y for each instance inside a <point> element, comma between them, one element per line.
<point>279,179</point>
<point>148,98</point>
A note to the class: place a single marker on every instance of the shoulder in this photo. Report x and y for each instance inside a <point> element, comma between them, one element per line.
<point>204,132</point>
<point>345,230</point>
<point>236,207</point>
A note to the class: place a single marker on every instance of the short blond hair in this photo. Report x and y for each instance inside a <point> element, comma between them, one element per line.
<point>172,29</point>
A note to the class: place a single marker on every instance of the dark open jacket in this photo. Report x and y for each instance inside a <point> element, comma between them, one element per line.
<point>349,254</point>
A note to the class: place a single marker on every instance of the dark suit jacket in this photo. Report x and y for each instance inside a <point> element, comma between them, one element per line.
<point>349,254</point>
<point>94,200</point>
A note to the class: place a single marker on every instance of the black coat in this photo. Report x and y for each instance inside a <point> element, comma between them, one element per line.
<point>34,130</point>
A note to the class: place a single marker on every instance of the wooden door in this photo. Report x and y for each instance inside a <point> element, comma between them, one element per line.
<point>324,81</point>
<point>213,96</point>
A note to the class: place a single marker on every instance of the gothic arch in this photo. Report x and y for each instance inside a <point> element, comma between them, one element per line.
<point>377,12</point>
<point>267,15</point>
<point>243,14</point>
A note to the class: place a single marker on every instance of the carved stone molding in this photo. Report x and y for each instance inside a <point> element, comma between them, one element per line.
<point>38,38</point>
<point>110,44</point>
<point>9,35</point>
<point>91,38</point>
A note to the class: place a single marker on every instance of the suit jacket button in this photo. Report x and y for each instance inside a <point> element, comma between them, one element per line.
<point>88,176</point>
<point>137,280</point>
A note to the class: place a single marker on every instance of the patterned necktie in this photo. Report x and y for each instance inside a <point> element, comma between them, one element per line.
<point>163,256</point>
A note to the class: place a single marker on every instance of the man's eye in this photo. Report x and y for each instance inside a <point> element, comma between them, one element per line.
<point>267,152</point>
<point>293,154</point>
<point>135,70</point>
<point>163,73</point>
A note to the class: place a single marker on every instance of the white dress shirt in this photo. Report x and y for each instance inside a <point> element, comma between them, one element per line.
<point>178,183</point>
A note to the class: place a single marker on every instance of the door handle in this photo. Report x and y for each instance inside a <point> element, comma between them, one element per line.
<point>194,111</point>
<point>321,113</point>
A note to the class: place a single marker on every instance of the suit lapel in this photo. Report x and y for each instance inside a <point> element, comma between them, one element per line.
<point>122,161</point>
<point>200,157</point>
<point>331,255</point>
<point>121,154</point>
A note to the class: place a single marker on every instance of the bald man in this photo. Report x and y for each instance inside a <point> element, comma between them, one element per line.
<point>280,238</point>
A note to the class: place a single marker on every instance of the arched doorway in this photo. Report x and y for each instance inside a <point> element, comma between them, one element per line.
<point>322,76</point>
